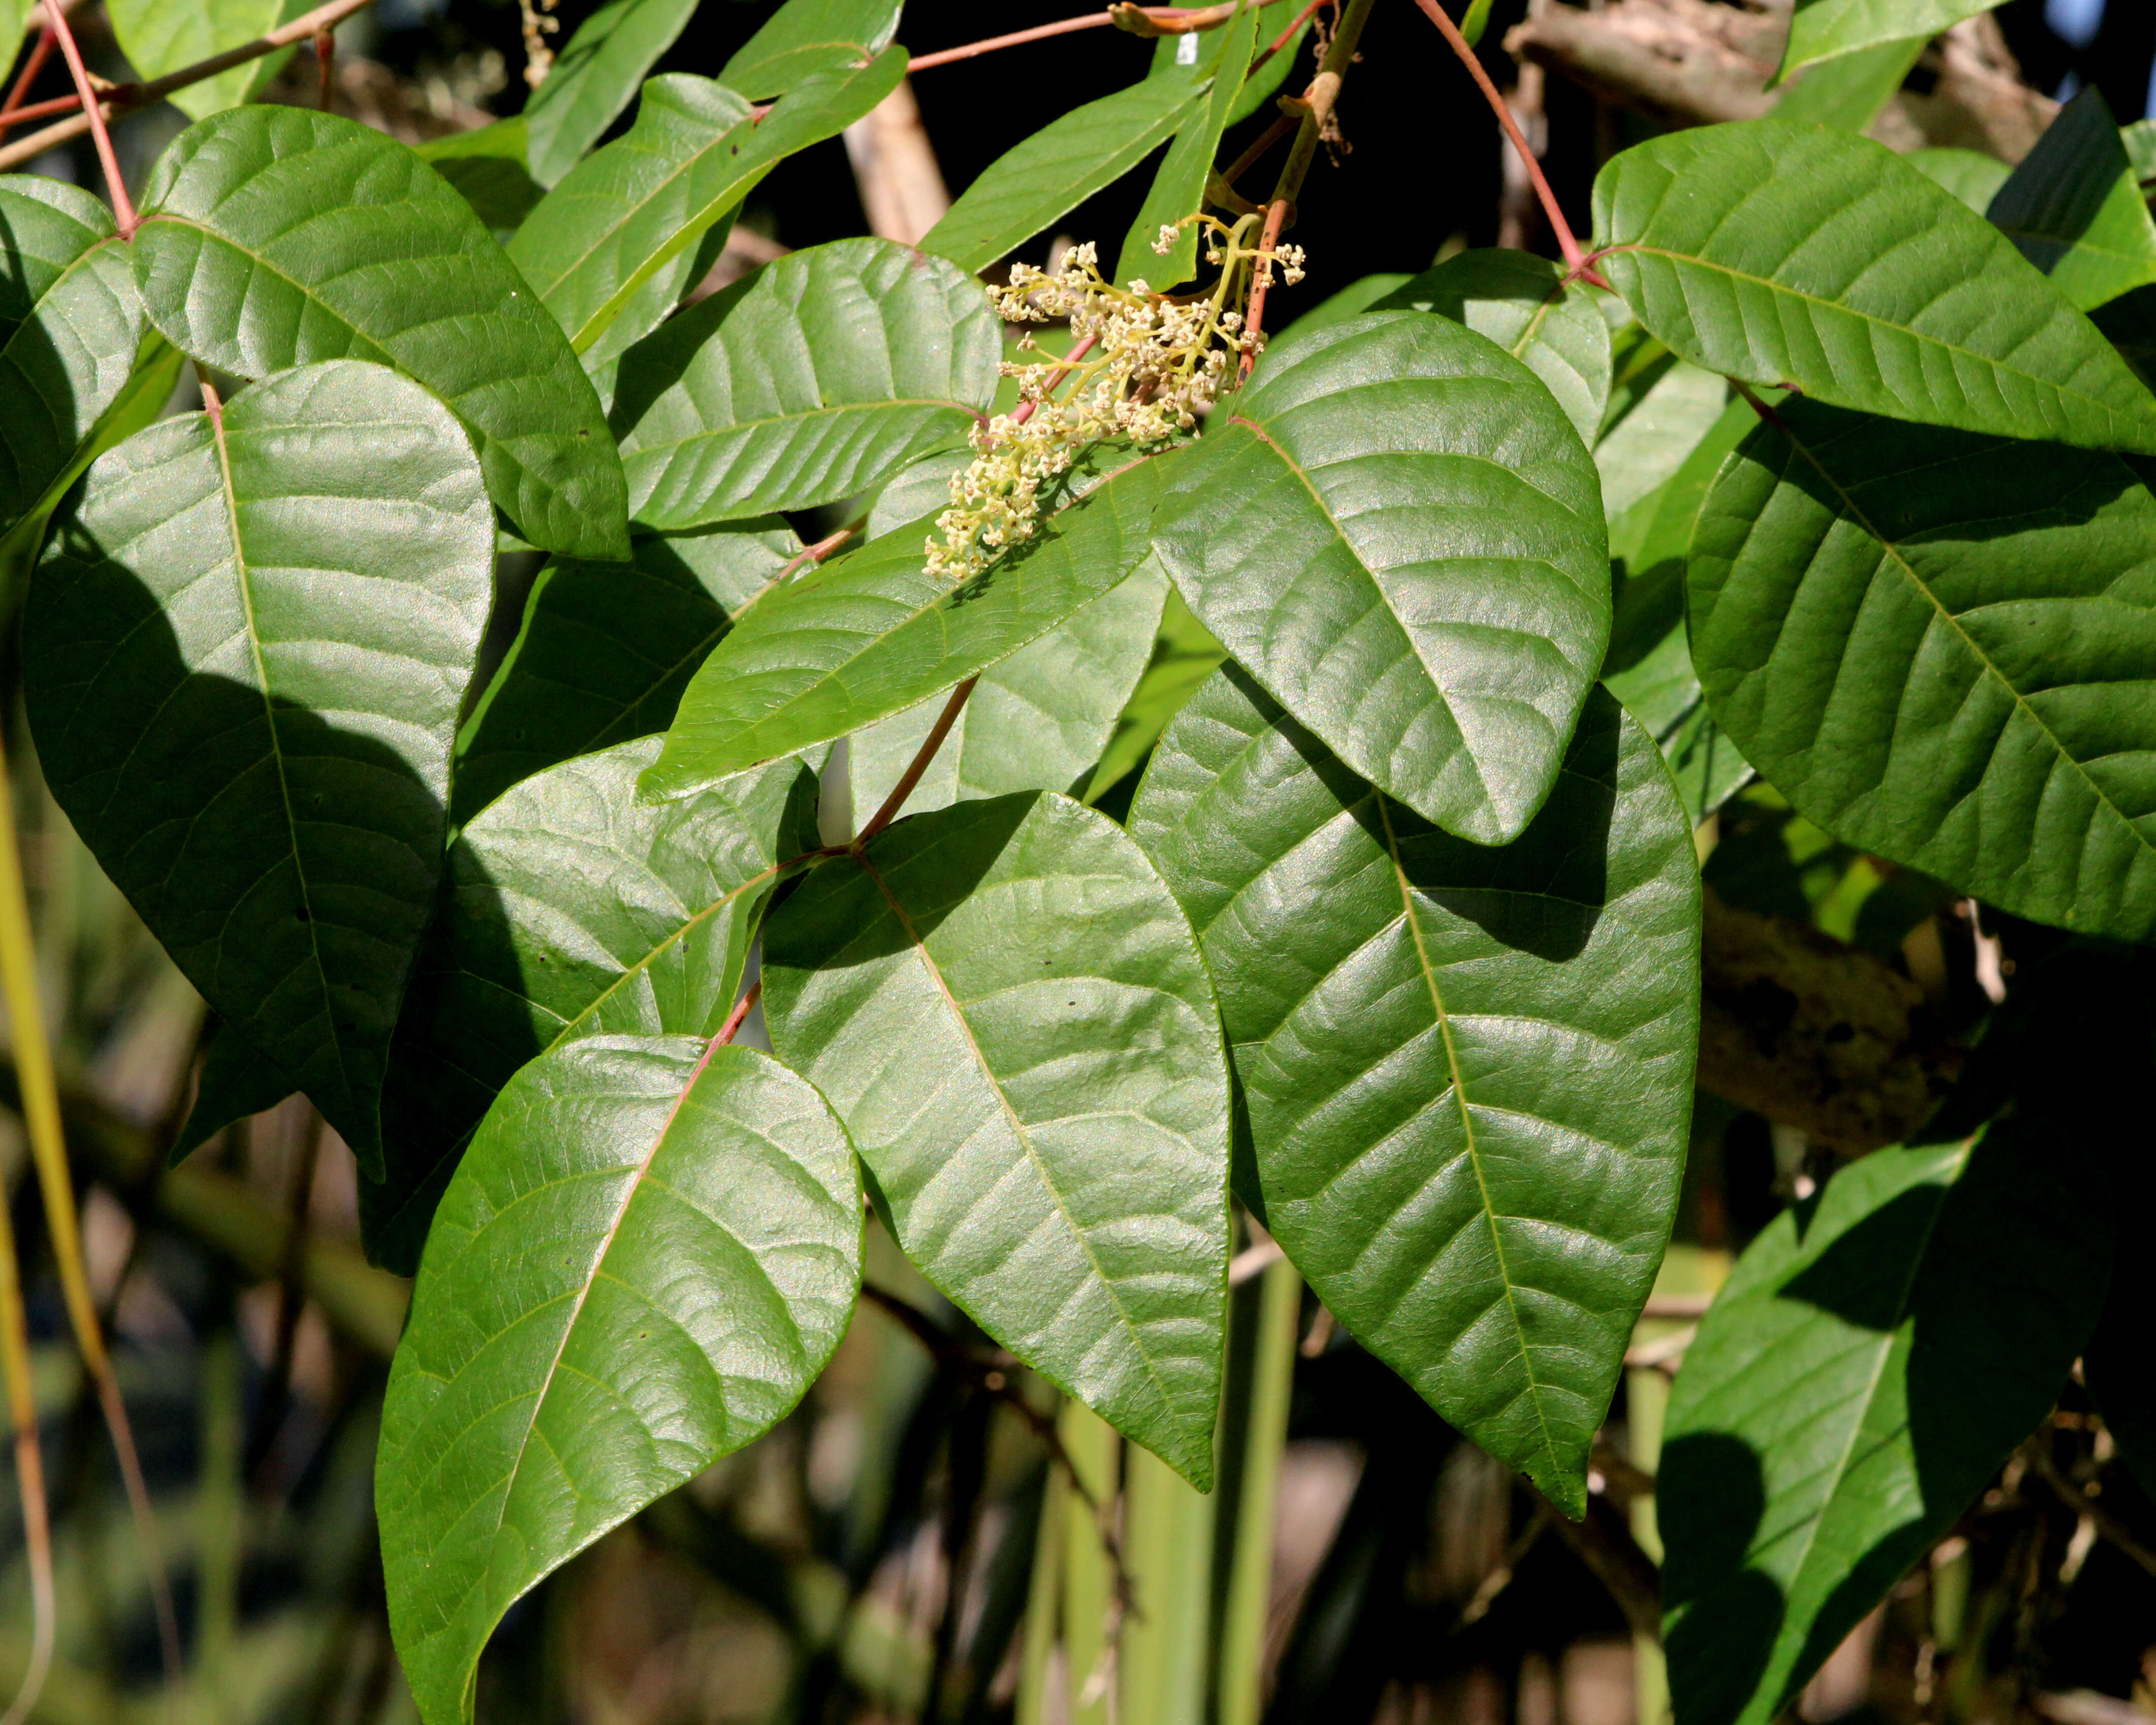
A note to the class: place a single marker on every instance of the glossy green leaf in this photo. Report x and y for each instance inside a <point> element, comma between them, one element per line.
<point>244,656</point>
<point>1397,532</point>
<point>1942,647</point>
<point>1468,1070</point>
<point>1876,1354</point>
<point>606,649</point>
<point>1646,449</point>
<point>574,910</point>
<point>274,237</point>
<point>1970,175</point>
<point>1520,301</point>
<point>1179,184</point>
<point>1819,29</point>
<point>872,633</point>
<point>1060,166</point>
<point>644,1260</point>
<point>696,150</point>
<point>810,38</point>
<point>1036,721</point>
<point>72,336</point>
<point>486,167</point>
<point>593,79</point>
<point>1850,91</point>
<point>816,379</point>
<point>1795,256</point>
<point>2075,209</point>
<point>1263,82</point>
<point>923,488</point>
<point>162,36</point>
<point>1045,1118</point>
<point>1350,301</point>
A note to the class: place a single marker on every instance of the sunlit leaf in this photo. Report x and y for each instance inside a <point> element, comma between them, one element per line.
<point>593,79</point>
<point>1876,1356</point>
<point>647,1256</point>
<point>1819,29</point>
<point>1940,648</point>
<point>818,378</point>
<point>162,36</point>
<point>1179,184</point>
<point>1794,256</point>
<point>1970,175</point>
<point>244,652</point>
<point>810,38</point>
<point>872,633</point>
<point>1397,532</point>
<point>627,211</point>
<point>1468,1070</point>
<point>1045,1119</point>
<point>1851,90</point>
<point>274,237</point>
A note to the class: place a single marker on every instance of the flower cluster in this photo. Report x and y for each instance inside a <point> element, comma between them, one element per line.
<point>1141,367</point>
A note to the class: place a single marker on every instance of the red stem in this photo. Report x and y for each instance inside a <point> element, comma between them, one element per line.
<point>31,67</point>
<point>1170,16</point>
<point>1284,126</point>
<point>1276,218</point>
<point>1287,35</point>
<point>123,208</point>
<point>40,111</point>
<point>1024,410</point>
<point>743,1009</point>
<point>1574,258</point>
<point>904,789</point>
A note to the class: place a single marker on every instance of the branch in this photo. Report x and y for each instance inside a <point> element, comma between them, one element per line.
<point>1139,20</point>
<point>132,98</point>
<point>115,186</point>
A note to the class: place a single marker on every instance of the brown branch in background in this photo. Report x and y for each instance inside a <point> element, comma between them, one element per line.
<point>894,166</point>
<point>132,98</point>
<point>1602,1541</point>
<point>326,66</point>
<point>1693,63</point>
<point>29,1474</point>
<point>291,1299</point>
<point>115,186</point>
<point>2107,1525</point>
<point>40,53</point>
<point>1516,195</point>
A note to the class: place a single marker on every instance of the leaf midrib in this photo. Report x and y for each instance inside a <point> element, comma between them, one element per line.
<point>216,418</point>
<point>1025,1136</point>
<point>1892,550</point>
<point>1467,1130</point>
<point>1868,318</point>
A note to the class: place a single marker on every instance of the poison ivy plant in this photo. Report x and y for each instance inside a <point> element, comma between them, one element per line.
<point>275,236</point>
<point>244,652</point>
<point>817,379</point>
<point>560,1363</point>
<point>1467,1069</point>
<point>1044,1121</point>
<point>1793,256</point>
<point>1433,613</point>
<point>1938,646</point>
<point>1876,1354</point>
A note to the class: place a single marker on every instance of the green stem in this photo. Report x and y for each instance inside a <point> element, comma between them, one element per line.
<point>1250,1580</point>
<point>1091,1602</point>
<point>1044,1598</point>
<point>1168,1549</point>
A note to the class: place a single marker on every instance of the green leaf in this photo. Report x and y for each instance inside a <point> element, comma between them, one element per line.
<point>1819,29</point>
<point>810,38</point>
<point>273,237</point>
<point>1970,175</point>
<point>594,79</point>
<point>1350,301</point>
<point>1262,83</point>
<point>646,1258</point>
<point>872,633</point>
<point>2140,141</point>
<point>1179,184</point>
<point>1810,259</point>
<point>1046,1118</point>
<point>574,910</point>
<point>1875,1357</point>
<point>2075,209</point>
<point>1468,1070</point>
<point>2129,323</point>
<point>1184,655</point>
<point>486,167</point>
<point>923,488</point>
<point>817,378</point>
<point>1521,302</point>
<point>627,211</point>
<point>163,36</point>
<point>1036,721</point>
<point>1646,449</point>
<point>606,649</point>
<point>1851,91</point>
<point>244,652</point>
<point>1060,166</point>
<point>73,336</point>
<point>1940,647</point>
<point>236,1083</point>
<point>1396,531</point>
